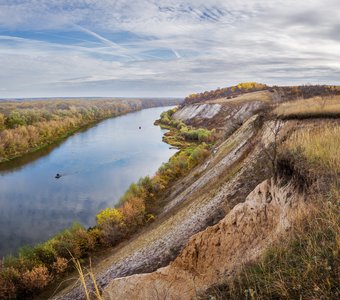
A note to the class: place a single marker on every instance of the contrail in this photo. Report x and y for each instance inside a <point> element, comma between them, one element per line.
<point>121,51</point>
<point>176,53</point>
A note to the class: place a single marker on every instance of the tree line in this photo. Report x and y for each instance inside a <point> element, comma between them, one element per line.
<point>282,92</point>
<point>30,125</point>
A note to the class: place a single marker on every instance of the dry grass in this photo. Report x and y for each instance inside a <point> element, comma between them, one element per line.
<point>310,108</point>
<point>262,96</point>
<point>303,266</point>
<point>83,278</point>
<point>320,146</point>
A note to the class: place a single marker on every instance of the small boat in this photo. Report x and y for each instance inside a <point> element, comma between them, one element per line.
<point>57,176</point>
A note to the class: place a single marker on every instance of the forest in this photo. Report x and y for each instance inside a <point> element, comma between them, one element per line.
<point>26,126</point>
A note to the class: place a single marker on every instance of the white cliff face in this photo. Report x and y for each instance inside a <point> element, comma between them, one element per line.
<point>202,111</point>
<point>215,253</point>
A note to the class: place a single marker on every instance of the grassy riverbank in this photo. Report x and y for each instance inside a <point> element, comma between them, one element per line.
<point>36,267</point>
<point>27,126</point>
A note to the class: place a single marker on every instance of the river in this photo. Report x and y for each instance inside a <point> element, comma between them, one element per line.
<point>97,165</point>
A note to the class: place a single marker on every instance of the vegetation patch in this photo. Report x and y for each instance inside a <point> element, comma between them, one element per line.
<point>320,146</point>
<point>245,90</point>
<point>317,107</point>
<point>229,92</point>
<point>181,135</point>
<point>260,96</point>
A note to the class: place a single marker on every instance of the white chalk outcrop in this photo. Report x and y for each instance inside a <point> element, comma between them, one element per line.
<point>201,111</point>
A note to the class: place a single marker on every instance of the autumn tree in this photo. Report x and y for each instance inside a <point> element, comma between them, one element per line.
<point>2,121</point>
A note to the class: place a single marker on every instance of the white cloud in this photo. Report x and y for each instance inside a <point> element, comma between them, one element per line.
<point>176,47</point>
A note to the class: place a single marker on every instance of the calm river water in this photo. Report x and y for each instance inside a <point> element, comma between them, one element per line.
<point>97,166</point>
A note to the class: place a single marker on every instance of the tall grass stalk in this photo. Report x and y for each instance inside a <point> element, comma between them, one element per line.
<point>83,279</point>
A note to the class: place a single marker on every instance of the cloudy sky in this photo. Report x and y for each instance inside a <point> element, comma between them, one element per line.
<point>164,47</point>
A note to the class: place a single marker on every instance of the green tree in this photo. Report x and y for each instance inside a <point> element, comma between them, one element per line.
<point>15,119</point>
<point>2,121</point>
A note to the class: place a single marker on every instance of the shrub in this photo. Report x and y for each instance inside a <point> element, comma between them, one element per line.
<point>15,119</point>
<point>134,213</point>
<point>134,190</point>
<point>166,117</point>
<point>200,134</point>
<point>26,259</point>
<point>75,241</point>
<point>199,154</point>
<point>111,223</point>
<point>150,188</point>
<point>84,240</point>
<point>112,215</point>
<point>9,277</point>
<point>35,279</point>
<point>45,253</point>
<point>2,121</point>
<point>60,265</point>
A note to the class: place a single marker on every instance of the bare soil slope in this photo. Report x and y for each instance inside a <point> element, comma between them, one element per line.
<point>212,255</point>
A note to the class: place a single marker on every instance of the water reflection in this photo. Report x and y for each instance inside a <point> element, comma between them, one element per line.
<point>97,166</point>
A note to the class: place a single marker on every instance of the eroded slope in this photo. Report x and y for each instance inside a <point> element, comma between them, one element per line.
<point>212,255</point>
<point>200,199</point>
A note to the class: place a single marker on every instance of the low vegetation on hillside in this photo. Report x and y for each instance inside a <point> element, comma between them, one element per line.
<point>281,93</point>
<point>35,267</point>
<point>181,135</point>
<point>316,107</point>
<point>228,92</point>
<point>288,93</point>
<point>319,146</point>
<point>29,125</point>
<point>305,264</point>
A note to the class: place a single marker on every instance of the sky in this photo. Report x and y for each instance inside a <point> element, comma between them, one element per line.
<point>164,48</point>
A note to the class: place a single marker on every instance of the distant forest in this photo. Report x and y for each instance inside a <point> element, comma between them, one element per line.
<point>26,126</point>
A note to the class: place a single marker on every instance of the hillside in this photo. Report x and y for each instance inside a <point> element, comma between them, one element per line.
<point>262,195</point>
<point>247,197</point>
<point>239,220</point>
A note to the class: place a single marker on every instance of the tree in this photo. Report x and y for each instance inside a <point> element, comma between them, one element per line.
<point>271,150</point>
<point>2,121</point>
<point>15,119</point>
